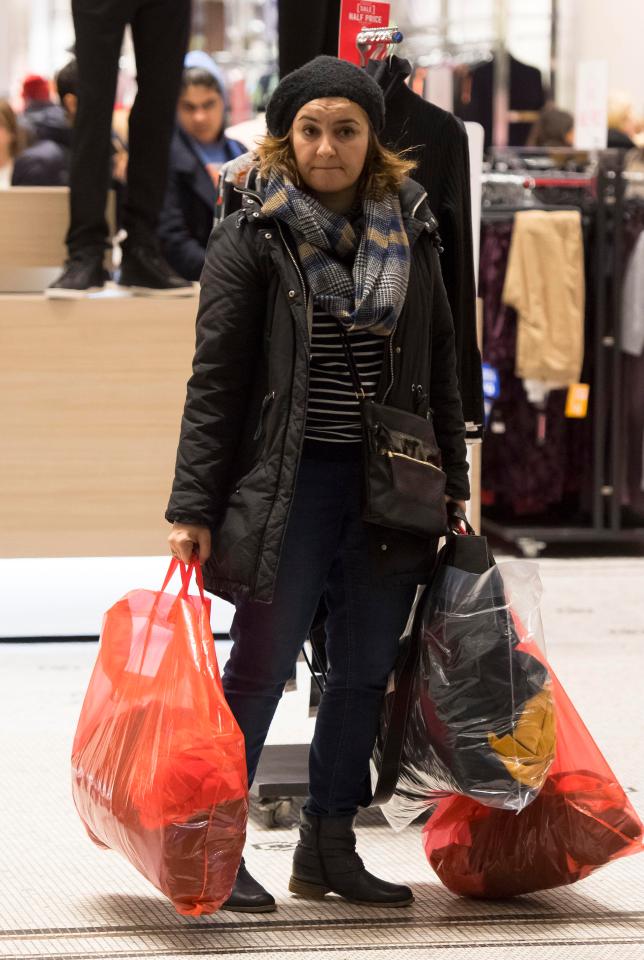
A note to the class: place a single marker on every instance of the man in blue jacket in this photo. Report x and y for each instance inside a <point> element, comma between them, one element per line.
<point>199,148</point>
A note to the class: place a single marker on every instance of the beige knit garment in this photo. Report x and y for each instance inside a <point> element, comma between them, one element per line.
<point>545,284</point>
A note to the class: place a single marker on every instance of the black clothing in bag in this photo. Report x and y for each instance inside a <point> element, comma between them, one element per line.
<point>404,486</point>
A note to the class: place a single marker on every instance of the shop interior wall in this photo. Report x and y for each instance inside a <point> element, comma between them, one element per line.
<point>598,30</point>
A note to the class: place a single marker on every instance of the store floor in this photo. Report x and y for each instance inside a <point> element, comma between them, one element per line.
<point>62,897</point>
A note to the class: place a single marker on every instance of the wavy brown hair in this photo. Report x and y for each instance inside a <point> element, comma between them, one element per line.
<point>383,172</point>
<point>9,122</point>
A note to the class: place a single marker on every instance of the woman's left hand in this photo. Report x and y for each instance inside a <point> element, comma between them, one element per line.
<point>455,523</point>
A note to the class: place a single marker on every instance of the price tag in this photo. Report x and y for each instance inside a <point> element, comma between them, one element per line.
<point>354,16</point>
<point>591,105</point>
<point>577,400</point>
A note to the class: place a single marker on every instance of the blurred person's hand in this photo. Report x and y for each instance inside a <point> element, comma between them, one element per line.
<point>186,538</point>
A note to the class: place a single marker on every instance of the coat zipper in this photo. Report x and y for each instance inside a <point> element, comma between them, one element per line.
<point>413,212</point>
<point>295,264</point>
<point>288,249</point>
<point>391,362</point>
<point>299,453</point>
<point>268,399</point>
<point>403,456</point>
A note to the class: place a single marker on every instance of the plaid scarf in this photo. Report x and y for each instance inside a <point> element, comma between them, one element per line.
<point>368,296</point>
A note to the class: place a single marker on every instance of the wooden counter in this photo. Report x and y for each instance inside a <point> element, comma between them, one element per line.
<point>91,394</point>
<point>33,224</point>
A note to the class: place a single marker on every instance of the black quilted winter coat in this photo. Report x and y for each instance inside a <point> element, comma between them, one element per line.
<point>243,425</point>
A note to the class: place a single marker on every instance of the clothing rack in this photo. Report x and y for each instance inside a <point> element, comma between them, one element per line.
<point>606,183</point>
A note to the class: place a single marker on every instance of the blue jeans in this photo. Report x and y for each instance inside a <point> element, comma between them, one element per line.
<point>324,555</point>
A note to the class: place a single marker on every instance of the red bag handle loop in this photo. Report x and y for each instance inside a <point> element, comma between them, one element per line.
<point>186,571</point>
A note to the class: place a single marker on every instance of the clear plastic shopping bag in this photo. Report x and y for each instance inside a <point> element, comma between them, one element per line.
<point>468,709</point>
<point>158,761</point>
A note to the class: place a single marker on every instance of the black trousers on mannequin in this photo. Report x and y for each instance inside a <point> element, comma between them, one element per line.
<point>306,30</point>
<point>160,31</point>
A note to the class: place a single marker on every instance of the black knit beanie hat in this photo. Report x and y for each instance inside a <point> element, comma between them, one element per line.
<point>323,77</point>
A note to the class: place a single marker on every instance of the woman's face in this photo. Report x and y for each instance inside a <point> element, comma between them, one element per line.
<point>200,112</point>
<point>330,140</point>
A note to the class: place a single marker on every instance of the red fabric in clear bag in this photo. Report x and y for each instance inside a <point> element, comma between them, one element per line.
<point>581,820</point>
<point>158,761</point>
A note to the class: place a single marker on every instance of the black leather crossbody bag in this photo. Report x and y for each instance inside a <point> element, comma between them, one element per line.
<point>404,485</point>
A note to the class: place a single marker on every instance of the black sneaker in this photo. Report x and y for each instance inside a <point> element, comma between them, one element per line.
<point>82,274</point>
<point>146,273</point>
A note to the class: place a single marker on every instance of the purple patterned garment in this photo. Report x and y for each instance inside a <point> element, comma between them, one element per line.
<point>521,476</point>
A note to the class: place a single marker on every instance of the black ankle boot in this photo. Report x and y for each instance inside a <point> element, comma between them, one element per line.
<point>248,895</point>
<point>325,861</point>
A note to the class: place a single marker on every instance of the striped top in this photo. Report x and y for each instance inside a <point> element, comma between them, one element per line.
<point>333,412</point>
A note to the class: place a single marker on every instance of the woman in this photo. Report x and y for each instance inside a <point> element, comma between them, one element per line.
<point>268,477</point>
<point>9,137</point>
<point>199,148</point>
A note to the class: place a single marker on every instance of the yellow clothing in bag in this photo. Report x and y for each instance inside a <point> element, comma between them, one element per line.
<point>529,750</point>
<point>544,282</point>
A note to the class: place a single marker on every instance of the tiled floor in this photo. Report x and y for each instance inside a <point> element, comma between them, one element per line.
<point>61,897</point>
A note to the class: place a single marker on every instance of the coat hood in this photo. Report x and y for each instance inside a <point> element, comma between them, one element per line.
<point>201,60</point>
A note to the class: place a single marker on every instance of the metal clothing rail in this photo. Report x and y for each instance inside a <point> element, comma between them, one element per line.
<point>605,526</point>
<point>544,180</point>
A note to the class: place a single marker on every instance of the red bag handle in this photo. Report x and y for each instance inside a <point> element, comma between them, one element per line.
<point>186,570</point>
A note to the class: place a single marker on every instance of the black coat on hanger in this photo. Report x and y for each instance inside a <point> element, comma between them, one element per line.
<point>306,30</point>
<point>474,97</point>
<point>444,171</point>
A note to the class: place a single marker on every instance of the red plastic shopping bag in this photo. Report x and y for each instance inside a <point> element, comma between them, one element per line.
<point>581,820</point>
<point>158,761</point>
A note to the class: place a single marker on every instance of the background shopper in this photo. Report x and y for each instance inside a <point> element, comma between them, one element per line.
<point>46,162</point>
<point>199,147</point>
<point>268,476</point>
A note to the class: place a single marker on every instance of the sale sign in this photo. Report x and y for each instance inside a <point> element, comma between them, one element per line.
<point>356,15</point>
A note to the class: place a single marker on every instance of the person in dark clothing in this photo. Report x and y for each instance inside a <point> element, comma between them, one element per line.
<point>40,115</point>
<point>268,480</point>
<point>160,30</point>
<point>198,149</point>
<point>46,162</point>
<point>306,30</point>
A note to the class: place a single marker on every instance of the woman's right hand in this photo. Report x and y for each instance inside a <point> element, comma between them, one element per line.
<point>187,538</point>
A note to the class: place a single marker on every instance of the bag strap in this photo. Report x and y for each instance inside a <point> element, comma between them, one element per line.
<point>454,512</point>
<point>394,740</point>
<point>355,376</point>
